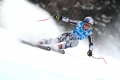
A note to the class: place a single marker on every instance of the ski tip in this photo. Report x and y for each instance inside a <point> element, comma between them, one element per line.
<point>48,48</point>
<point>62,51</point>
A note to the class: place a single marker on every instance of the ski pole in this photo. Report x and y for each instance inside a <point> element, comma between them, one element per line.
<point>45,19</point>
<point>100,58</point>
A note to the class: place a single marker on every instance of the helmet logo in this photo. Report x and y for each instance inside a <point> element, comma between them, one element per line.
<point>88,20</point>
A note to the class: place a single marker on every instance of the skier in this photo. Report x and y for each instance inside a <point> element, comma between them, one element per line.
<point>71,39</point>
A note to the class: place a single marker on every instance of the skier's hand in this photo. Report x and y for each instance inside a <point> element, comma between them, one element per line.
<point>89,53</point>
<point>56,16</point>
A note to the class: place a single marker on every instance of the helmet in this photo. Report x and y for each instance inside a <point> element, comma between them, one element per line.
<point>88,20</point>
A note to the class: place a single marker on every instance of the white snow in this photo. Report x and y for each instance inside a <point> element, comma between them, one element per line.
<point>22,62</point>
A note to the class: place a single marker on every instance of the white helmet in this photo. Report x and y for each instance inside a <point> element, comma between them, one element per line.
<point>89,20</point>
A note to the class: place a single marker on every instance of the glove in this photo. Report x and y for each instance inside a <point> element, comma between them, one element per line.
<point>89,53</point>
<point>56,16</point>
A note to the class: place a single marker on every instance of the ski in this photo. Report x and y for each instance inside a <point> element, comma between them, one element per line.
<point>38,46</point>
<point>43,47</point>
<point>58,50</point>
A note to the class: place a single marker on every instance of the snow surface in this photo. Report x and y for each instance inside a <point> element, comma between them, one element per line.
<point>22,62</point>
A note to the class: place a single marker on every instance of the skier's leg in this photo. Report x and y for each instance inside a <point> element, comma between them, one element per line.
<point>70,44</point>
<point>62,38</point>
<point>49,41</point>
<point>70,41</point>
<point>44,41</point>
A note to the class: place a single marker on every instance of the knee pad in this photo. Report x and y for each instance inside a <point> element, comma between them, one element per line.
<point>70,44</point>
<point>74,43</point>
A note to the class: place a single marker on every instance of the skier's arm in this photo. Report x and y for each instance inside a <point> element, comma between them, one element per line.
<point>90,39</point>
<point>65,19</point>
